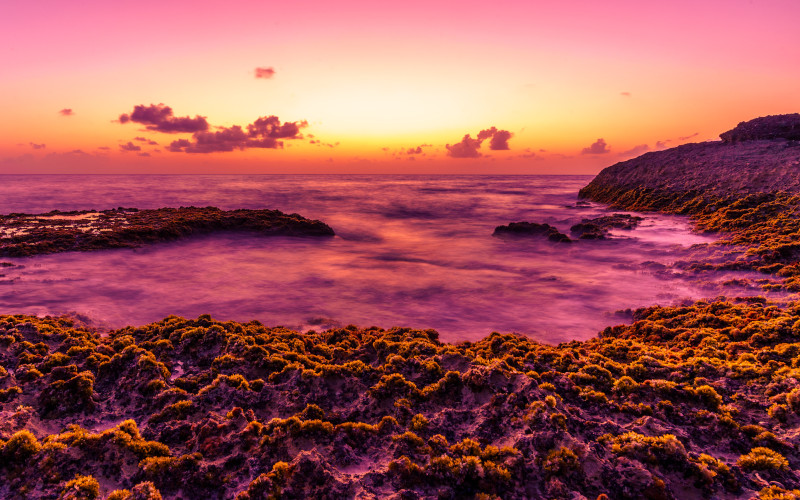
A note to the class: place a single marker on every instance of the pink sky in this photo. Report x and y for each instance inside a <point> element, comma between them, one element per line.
<point>383,87</point>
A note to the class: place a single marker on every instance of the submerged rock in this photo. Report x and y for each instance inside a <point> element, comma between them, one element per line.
<point>32,234</point>
<point>599,227</point>
<point>532,229</point>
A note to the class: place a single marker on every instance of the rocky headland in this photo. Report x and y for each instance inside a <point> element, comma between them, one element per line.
<point>694,401</point>
<point>33,234</point>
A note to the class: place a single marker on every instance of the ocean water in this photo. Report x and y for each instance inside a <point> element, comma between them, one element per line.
<point>413,251</point>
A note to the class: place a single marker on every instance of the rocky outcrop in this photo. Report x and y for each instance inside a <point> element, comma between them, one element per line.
<point>599,228</point>
<point>32,234</point>
<point>746,190</point>
<point>532,229</point>
<point>765,128</point>
<point>745,162</point>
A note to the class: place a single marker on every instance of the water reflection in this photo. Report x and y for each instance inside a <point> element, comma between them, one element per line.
<point>411,251</point>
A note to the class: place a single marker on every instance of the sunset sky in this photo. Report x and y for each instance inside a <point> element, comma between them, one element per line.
<point>566,86</point>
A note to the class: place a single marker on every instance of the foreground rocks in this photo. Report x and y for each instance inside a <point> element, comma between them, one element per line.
<point>689,402</point>
<point>32,234</point>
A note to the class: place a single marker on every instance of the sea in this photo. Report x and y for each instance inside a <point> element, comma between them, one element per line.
<point>410,250</point>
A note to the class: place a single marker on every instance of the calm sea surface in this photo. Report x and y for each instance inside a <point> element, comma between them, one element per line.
<point>410,251</point>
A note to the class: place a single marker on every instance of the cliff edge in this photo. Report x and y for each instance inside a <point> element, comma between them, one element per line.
<point>757,156</point>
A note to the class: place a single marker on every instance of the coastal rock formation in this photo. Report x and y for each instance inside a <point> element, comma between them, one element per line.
<point>699,401</point>
<point>748,191</point>
<point>532,229</point>
<point>765,128</point>
<point>32,234</point>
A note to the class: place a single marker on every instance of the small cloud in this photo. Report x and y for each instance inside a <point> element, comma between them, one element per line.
<point>160,118</point>
<point>662,144</point>
<point>625,94</point>
<point>130,147</point>
<point>143,154</point>
<point>468,147</point>
<point>636,150</point>
<point>599,147</point>
<point>500,140</point>
<point>37,146</point>
<point>140,139</point>
<point>265,72</point>
<point>66,112</point>
<point>686,137</point>
<point>262,133</point>
<point>104,148</point>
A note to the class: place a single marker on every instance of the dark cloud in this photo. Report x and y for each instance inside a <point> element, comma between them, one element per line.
<point>160,118</point>
<point>265,132</point>
<point>37,146</point>
<point>265,72</point>
<point>66,112</point>
<point>468,147</point>
<point>662,144</point>
<point>140,139</point>
<point>598,148</point>
<point>500,140</point>
<point>104,148</point>
<point>129,147</point>
<point>688,136</point>
<point>143,154</point>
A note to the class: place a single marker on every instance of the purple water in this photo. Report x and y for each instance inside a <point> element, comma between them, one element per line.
<point>410,251</point>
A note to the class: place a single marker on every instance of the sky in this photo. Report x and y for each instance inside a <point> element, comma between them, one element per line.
<point>311,86</point>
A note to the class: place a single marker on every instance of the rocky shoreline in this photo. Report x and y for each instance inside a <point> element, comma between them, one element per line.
<point>696,401</point>
<point>34,234</point>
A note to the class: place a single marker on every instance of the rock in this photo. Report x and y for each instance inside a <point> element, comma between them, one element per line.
<point>532,229</point>
<point>33,234</point>
<point>765,128</point>
<point>598,228</point>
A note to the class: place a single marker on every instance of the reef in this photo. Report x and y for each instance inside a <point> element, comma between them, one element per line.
<point>33,234</point>
<point>688,402</point>
<point>532,229</point>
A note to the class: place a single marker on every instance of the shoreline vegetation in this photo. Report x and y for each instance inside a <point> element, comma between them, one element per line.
<point>35,234</point>
<point>694,401</point>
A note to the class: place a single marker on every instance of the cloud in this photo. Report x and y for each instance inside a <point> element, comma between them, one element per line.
<point>265,132</point>
<point>599,147</point>
<point>265,72</point>
<point>662,144</point>
<point>468,147</point>
<point>688,136</point>
<point>145,139</point>
<point>143,154</point>
<point>625,94</point>
<point>37,146</point>
<point>636,150</point>
<point>66,112</point>
<point>130,147</point>
<point>500,140</point>
<point>160,118</point>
